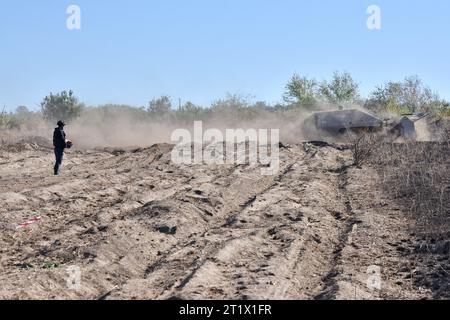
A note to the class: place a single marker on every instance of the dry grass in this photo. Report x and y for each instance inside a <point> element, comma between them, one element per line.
<point>417,177</point>
<point>445,135</point>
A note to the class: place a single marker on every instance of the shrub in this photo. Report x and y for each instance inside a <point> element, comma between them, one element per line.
<point>363,144</point>
<point>61,106</point>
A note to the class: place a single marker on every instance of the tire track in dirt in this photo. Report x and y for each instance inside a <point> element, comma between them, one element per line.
<point>230,221</point>
<point>289,287</point>
<point>223,220</point>
<point>294,255</point>
<point>331,286</point>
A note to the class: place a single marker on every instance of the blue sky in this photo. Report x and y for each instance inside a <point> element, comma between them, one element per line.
<point>198,50</point>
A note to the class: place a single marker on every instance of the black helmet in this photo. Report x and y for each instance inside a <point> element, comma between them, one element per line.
<point>61,123</point>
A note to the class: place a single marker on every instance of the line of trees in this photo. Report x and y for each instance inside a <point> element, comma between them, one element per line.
<point>302,94</point>
<point>305,92</point>
<point>404,97</point>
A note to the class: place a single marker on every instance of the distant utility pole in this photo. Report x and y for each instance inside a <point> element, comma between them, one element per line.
<point>179,103</point>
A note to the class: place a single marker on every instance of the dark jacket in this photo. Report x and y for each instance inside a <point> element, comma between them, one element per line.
<point>59,138</point>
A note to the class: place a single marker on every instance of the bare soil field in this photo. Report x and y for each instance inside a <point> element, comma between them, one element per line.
<point>140,227</point>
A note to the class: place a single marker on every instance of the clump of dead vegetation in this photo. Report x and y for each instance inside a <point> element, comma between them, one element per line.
<point>363,144</point>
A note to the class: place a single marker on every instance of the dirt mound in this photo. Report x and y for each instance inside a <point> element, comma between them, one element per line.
<point>31,143</point>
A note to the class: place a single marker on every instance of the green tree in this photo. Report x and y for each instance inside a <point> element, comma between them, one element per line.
<point>190,108</point>
<point>23,114</point>
<point>160,106</point>
<point>61,106</point>
<point>407,96</point>
<point>232,103</point>
<point>189,112</point>
<point>445,109</point>
<point>8,120</point>
<point>341,89</point>
<point>301,91</point>
<point>3,118</point>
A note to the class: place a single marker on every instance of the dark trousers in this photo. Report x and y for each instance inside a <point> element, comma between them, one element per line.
<point>59,153</point>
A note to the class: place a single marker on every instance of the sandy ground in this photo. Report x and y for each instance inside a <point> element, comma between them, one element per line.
<point>138,226</point>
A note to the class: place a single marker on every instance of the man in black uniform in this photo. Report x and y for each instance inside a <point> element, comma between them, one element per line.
<point>59,142</point>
